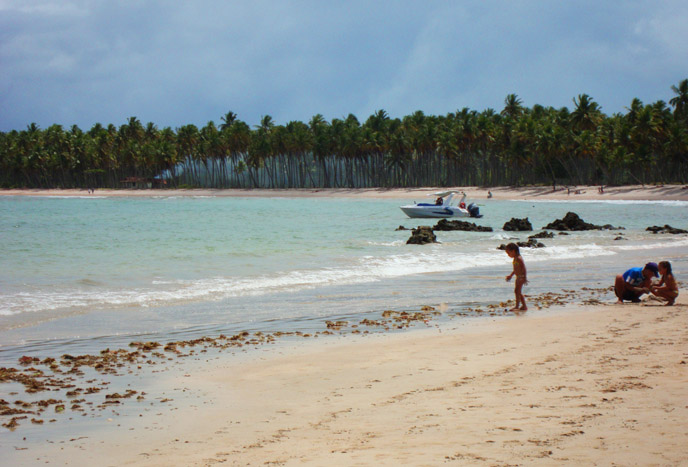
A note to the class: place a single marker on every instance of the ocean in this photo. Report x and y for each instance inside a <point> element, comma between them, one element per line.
<point>78,275</point>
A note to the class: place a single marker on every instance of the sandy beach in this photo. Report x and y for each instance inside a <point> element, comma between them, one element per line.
<point>603,384</point>
<point>630,192</point>
<point>595,383</point>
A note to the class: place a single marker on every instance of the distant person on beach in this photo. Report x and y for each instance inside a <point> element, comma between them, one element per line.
<point>520,272</point>
<point>667,287</point>
<point>635,282</point>
<point>489,194</point>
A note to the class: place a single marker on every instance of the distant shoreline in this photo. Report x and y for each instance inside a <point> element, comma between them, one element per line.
<point>628,192</point>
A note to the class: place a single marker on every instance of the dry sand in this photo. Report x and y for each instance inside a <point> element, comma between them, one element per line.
<point>606,384</point>
<point>634,192</point>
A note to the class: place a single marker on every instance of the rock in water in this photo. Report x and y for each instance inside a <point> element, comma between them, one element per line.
<point>572,222</point>
<point>422,235</point>
<point>531,243</point>
<point>543,234</point>
<point>445,225</point>
<point>666,229</point>
<point>518,225</point>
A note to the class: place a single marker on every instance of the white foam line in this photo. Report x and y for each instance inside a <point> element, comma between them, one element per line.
<point>367,269</point>
<point>669,243</point>
<point>606,201</point>
<point>67,197</point>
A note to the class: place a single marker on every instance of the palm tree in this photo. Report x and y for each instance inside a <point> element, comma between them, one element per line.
<point>680,101</point>
<point>586,115</point>
<point>211,152</point>
<point>398,157</point>
<point>238,139</point>
<point>376,130</point>
<point>166,156</point>
<point>260,151</point>
<point>512,106</point>
<point>635,108</point>
<point>298,145</point>
<point>228,119</point>
<point>106,162</point>
<point>187,142</point>
<point>322,143</point>
<point>648,143</point>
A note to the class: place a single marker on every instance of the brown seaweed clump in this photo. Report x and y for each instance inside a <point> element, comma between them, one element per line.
<point>61,375</point>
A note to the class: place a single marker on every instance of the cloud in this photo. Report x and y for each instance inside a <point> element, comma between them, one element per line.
<point>547,56</point>
<point>175,63</point>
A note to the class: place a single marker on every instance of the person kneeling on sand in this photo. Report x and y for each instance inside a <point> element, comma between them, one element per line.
<point>635,282</point>
<point>667,287</point>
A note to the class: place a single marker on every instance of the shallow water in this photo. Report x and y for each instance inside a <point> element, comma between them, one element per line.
<point>82,274</point>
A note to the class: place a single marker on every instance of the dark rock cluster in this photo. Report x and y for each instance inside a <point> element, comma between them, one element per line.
<point>543,234</point>
<point>518,225</point>
<point>531,243</point>
<point>425,234</point>
<point>445,225</point>
<point>421,236</point>
<point>666,229</point>
<point>572,221</point>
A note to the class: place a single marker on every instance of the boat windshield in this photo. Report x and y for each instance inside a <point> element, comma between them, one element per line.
<point>447,197</point>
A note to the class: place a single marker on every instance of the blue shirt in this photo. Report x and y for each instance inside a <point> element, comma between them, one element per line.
<point>634,276</point>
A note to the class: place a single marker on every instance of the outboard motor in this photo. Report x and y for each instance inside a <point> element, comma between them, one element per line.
<point>474,210</point>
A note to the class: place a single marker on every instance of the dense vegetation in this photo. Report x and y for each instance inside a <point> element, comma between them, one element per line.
<point>516,146</point>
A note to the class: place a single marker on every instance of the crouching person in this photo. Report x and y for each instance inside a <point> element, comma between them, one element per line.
<point>635,282</point>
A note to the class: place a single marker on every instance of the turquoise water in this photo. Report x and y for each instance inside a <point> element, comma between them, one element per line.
<point>97,270</point>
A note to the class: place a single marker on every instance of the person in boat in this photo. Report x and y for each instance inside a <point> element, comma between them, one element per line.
<point>635,282</point>
<point>439,201</point>
<point>667,287</point>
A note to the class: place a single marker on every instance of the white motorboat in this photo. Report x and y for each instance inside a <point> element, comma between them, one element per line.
<point>443,207</point>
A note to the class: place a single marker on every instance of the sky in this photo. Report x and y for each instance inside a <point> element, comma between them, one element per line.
<point>189,62</point>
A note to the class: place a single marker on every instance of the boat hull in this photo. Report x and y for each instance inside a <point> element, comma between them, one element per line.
<point>434,212</point>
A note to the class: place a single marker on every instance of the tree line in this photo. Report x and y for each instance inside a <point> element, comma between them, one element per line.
<point>515,146</point>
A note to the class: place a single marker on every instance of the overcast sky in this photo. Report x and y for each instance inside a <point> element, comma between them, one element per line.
<point>179,62</point>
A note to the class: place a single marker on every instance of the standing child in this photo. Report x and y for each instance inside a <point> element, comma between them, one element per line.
<point>520,273</point>
<point>667,287</point>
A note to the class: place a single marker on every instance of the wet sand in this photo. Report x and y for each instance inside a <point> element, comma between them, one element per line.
<point>631,192</point>
<point>599,384</point>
